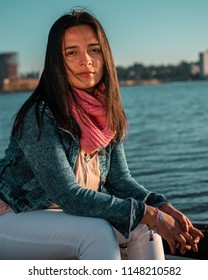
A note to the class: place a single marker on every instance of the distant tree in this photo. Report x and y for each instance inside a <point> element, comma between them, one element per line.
<point>139,72</point>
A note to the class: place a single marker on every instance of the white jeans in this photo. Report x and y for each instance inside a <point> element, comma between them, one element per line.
<point>52,234</point>
<point>139,247</point>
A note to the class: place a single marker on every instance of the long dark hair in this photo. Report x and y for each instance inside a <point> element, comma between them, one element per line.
<point>55,90</point>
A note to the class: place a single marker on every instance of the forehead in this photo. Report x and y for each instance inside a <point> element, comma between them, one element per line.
<point>79,34</point>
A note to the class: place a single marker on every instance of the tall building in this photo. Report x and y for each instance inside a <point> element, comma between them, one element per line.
<point>203,62</point>
<point>8,66</point>
<point>9,77</point>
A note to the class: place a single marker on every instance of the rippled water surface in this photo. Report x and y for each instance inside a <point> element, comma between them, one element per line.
<point>167,145</point>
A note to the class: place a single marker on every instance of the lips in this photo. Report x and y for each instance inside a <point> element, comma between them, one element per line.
<point>86,73</point>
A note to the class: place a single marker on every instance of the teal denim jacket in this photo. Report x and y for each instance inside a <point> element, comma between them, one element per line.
<point>36,173</point>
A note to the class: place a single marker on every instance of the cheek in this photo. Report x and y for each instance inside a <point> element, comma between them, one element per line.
<point>100,67</point>
<point>71,78</point>
<point>69,73</point>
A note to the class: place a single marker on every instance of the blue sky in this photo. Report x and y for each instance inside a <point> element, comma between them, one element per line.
<point>144,31</point>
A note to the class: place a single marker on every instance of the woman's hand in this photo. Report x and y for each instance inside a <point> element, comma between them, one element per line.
<point>168,228</point>
<point>189,232</point>
<point>179,216</point>
<point>175,228</point>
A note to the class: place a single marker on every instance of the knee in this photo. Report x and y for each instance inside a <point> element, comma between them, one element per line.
<point>100,242</point>
<point>106,232</point>
<point>102,230</point>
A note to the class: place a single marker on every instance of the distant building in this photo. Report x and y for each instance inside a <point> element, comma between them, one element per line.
<point>9,77</point>
<point>23,84</point>
<point>8,66</point>
<point>194,69</point>
<point>203,62</point>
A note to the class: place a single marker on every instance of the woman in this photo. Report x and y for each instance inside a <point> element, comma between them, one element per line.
<point>65,188</point>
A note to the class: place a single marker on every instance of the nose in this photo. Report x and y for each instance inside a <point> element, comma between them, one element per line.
<point>85,58</point>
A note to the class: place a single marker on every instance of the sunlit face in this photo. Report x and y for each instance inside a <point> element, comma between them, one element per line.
<point>83,57</point>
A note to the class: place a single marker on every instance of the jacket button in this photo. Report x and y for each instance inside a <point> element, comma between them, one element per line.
<point>101,152</point>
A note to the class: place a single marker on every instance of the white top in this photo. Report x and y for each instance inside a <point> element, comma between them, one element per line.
<point>87,171</point>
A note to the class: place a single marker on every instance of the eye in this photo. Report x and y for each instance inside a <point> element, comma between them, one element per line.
<point>70,53</point>
<point>95,50</point>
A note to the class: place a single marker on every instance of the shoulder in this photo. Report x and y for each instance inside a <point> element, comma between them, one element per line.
<point>38,121</point>
<point>39,109</point>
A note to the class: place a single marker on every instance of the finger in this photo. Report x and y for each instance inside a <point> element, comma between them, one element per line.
<point>189,238</point>
<point>189,222</point>
<point>184,249</point>
<point>182,219</point>
<point>196,239</point>
<point>181,240</point>
<point>195,248</point>
<point>192,242</point>
<point>172,246</point>
<point>201,234</point>
<point>195,231</point>
<point>188,247</point>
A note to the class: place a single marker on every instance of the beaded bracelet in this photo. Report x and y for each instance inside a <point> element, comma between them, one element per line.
<point>159,217</point>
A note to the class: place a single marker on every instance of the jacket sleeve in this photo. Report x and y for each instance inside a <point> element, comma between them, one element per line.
<point>50,166</point>
<point>121,184</point>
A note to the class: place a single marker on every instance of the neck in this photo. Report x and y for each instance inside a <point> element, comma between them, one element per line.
<point>90,91</point>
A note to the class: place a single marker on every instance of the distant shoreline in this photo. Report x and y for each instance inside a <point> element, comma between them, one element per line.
<point>126,83</point>
<point>138,83</point>
<point>15,91</point>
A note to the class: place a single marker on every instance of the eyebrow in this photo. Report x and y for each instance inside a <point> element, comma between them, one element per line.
<point>75,47</point>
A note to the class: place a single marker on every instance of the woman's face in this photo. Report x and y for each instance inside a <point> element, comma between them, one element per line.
<point>83,57</point>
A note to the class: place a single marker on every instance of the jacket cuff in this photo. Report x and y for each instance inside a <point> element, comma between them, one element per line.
<point>155,199</point>
<point>137,210</point>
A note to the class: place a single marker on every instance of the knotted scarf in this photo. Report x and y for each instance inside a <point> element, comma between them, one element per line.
<point>92,119</point>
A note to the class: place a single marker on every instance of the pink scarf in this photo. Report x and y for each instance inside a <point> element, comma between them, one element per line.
<point>92,120</point>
